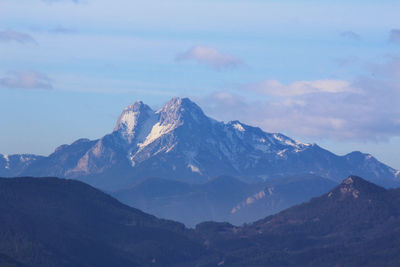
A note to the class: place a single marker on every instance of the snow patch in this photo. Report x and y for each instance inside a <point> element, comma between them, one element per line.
<point>194,168</point>
<point>368,157</point>
<point>282,152</point>
<point>293,143</point>
<point>239,127</point>
<point>169,149</point>
<point>132,159</point>
<point>250,200</point>
<point>131,124</point>
<point>7,161</point>
<point>157,131</point>
<point>129,119</point>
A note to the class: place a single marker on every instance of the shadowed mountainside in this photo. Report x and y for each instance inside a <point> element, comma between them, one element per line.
<point>355,224</point>
<point>221,199</point>
<point>58,222</point>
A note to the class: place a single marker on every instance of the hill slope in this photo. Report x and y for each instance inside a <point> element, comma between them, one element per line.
<point>56,222</point>
<point>355,224</point>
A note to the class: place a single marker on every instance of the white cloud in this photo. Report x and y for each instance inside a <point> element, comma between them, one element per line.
<point>210,57</point>
<point>62,30</point>
<point>25,80</point>
<point>365,109</point>
<point>276,88</point>
<point>14,36</point>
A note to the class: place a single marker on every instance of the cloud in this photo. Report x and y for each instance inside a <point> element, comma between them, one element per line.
<point>25,80</point>
<point>350,35</point>
<point>13,36</point>
<point>62,30</point>
<point>394,36</point>
<point>209,57</point>
<point>366,109</point>
<point>274,87</point>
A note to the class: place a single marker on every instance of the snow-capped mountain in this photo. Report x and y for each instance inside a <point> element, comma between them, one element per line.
<point>180,142</point>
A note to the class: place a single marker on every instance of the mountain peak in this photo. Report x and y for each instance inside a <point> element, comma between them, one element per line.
<point>356,181</point>
<point>178,102</point>
<point>355,187</point>
<point>178,109</point>
<point>135,106</point>
<point>131,117</point>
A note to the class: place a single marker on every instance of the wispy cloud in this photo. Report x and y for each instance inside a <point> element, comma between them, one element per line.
<point>365,109</point>
<point>350,35</point>
<point>25,80</point>
<point>210,57</point>
<point>62,30</point>
<point>14,36</point>
<point>276,88</point>
<point>394,36</point>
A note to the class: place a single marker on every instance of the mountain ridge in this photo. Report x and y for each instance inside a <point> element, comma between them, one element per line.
<point>221,199</point>
<point>64,222</point>
<point>180,142</point>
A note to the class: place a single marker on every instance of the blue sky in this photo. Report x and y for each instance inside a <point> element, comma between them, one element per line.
<point>319,71</point>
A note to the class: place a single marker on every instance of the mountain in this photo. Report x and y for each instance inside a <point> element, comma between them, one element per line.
<point>58,222</point>
<point>189,203</point>
<point>355,224</point>
<point>221,199</point>
<point>277,195</point>
<point>12,165</point>
<point>180,142</point>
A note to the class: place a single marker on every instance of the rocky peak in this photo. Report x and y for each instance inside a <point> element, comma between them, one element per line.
<point>355,187</point>
<point>131,117</point>
<point>178,110</point>
<point>348,187</point>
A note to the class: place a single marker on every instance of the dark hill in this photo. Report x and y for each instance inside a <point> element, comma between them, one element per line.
<point>355,224</point>
<point>57,222</point>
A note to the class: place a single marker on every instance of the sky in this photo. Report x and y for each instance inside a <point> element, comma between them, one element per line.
<point>325,72</point>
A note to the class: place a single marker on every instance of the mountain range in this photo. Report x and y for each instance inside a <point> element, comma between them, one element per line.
<point>59,222</point>
<point>222,199</point>
<point>179,142</point>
